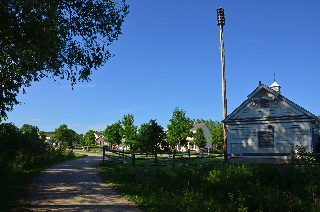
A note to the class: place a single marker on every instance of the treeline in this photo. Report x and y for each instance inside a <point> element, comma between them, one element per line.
<point>149,137</point>
<point>24,148</point>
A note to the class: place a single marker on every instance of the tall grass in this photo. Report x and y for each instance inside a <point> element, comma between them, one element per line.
<point>218,188</point>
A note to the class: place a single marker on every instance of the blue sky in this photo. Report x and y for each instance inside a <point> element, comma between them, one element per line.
<point>169,56</point>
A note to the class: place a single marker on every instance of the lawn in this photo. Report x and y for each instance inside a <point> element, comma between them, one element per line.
<point>164,159</point>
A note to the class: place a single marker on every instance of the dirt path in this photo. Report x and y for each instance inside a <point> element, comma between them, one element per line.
<point>76,186</point>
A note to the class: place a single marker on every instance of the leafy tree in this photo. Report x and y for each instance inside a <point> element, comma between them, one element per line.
<point>89,138</point>
<point>217,135</point>
<point>33,140</point>
<point>200,138</point>
<point>129,132</point>
<point>11,140</point>
<point>56,38</point>
<point>113,133</point>
<point>179,128</point>
<point>75,137</point>
<point>65,135</point>
<point>83,141</point>
<point>43,136</point>
<point>152,137</point>
<point>30,132</point>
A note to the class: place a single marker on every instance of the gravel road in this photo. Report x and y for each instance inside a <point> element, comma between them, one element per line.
<point>76,186</point>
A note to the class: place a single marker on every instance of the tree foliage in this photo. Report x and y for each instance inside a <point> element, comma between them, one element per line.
<point>129,132</point>
<point>32,133</point>
<point>113,133</point>
<point>217,135</point>
<point>153,137</point>
<point>89,138</point>
<point>179,128</point>
<point>56,38</point>
<point>15,141</point>
<point>66,135</point>
<point>200,138</point>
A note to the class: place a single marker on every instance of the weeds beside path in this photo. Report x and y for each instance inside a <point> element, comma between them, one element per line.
<point>76,186</point>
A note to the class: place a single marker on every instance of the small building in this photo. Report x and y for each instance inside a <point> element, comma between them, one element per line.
<point>268,122</point>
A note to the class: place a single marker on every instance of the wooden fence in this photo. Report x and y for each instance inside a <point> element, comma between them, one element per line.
<point>132,156</point>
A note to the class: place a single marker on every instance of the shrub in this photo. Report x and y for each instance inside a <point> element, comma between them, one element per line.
<point>301,155</point>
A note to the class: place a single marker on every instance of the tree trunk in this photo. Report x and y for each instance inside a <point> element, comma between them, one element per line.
<point>174,158</point>
<point>133,159</point>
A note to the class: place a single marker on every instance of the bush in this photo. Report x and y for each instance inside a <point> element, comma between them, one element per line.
<point>302,155</point>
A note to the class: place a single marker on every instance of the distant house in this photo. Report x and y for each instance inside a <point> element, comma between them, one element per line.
<point>48,137</point>
<point>268,122</point>
<point>99,139</point>
<point>190,143</point>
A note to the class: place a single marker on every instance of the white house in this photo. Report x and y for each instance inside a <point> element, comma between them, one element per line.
<point>267,122</point>
<point>190,143</point>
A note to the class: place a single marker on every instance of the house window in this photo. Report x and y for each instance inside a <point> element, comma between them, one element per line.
<point>265,139</point>
<point>265,103</point>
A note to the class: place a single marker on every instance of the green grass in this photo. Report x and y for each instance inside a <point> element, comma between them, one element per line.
<point>14,185</point>
<point>181,159</point>
<point>218,188</point>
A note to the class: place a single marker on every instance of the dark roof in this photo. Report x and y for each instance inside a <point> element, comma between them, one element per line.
<point>197,125</point>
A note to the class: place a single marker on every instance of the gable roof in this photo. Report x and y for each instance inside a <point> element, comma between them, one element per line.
<point>197,125</point>
<point>264,91</point>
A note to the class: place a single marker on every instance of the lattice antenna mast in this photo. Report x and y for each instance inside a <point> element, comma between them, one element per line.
<point>221,23</point>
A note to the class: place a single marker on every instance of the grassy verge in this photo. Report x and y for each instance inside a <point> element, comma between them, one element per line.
<point>218,188</point>
<point>14,185</point>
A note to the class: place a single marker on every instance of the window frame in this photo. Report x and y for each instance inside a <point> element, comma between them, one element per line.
<point>265,104</point>
<point>263,139</point>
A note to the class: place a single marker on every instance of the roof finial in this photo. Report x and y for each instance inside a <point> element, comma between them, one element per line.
<point>275,86</point>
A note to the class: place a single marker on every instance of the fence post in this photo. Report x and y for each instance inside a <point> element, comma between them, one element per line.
<point>156,158</point>
<point>133,158</point>
<point>174,158</point>
<point>104,153</point>
<point>189,153</point>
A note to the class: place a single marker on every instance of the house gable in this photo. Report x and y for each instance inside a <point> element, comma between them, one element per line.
<point>267,122</point>
<point>266,104</point>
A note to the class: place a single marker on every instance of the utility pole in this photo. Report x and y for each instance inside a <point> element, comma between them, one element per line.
<point>221,23</point>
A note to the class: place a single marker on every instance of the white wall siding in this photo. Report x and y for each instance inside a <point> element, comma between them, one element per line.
<point>244,138</point>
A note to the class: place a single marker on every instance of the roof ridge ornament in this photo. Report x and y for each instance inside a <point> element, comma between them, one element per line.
<point>275,86</point>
